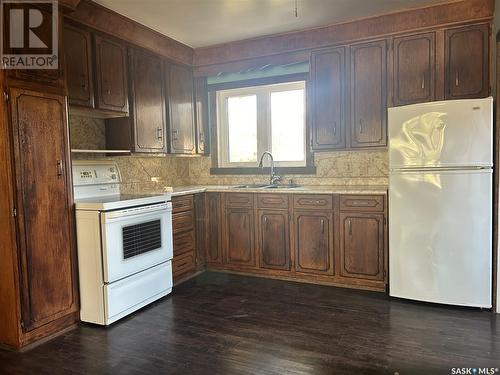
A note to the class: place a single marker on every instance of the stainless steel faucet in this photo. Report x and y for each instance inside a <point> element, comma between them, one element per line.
<point>274,177</point>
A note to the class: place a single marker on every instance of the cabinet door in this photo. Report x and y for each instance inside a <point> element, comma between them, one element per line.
<point>77,48</point>
<point>466,62</point>
<point>111,75</point>
<point>181,109</point>
<point>414,69</point>
<point>273,240</point>
<point>362,246</point>
<point>368,94</point>
<point>214,226</point>
<point>148,103</point>
<point>239,237</point>
<point>313,242</point>
<point>201,109</point>
<point>45,224</point>
<point>328,75</point>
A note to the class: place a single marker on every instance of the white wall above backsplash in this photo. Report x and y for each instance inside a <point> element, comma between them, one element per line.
<point>142,172</point>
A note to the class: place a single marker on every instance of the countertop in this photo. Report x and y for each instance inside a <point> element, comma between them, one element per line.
<point>311,189</point>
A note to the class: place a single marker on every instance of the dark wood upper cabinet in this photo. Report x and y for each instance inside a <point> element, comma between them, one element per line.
<point>239,249</point>
<point>147,102</point>
<point>111,74</point>
<point>467,62</point>
<point>368,85</point>
<point>313,231</point>
<point>362,246</point>
<point>214,226</point>
<point>328,99</point>
<point>273,242</point>
<point>45,217</point>
<point>181,109</point>
<point>201,115</point>
<point>414,69</point>
<point>78,52</point>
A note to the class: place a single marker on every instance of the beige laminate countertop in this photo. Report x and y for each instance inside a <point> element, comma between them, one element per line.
<point>316,189</point>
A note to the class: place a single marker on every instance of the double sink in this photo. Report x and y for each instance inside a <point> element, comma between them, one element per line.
<point>267,186</point>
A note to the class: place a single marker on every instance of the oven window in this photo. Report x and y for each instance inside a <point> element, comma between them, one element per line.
<point>141,238</point>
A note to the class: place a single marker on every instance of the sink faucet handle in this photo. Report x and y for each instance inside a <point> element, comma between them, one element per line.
<point>275,178</point>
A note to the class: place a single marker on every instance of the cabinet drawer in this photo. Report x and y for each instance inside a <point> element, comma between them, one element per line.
<point>182,203</point>
<point>182,222</point>
<point>313,202</point>
<point>239,200</point>
<point>183,263</point>
<point>272,201</point>
<point>184,242</point>
<point>367,203</point>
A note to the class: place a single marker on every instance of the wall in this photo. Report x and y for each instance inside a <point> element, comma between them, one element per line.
<point>153,173</point>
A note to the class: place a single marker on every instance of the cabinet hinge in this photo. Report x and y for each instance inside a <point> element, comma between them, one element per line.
<point>6,96</point>
<point>14,212</point>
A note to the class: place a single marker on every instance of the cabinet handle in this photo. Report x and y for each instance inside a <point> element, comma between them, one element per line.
<point>265,221</point>
<point>59,169</point>
<point>159,133</point>
<point>322,226</point>
<point>423,81</point>
<point>335,128</point>
<point>457,79</point>
<point>174,135</point>
<point>350,226</point>
<point>360,126</point>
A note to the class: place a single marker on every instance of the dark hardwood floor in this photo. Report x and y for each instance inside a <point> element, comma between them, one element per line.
<point>228,324</point>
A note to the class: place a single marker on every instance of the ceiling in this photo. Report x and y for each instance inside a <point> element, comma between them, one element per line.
<point>200,23</point>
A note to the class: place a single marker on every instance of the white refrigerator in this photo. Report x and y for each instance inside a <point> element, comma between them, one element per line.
<point>440,202</point>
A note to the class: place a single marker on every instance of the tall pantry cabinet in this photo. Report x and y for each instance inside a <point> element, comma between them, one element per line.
<point>38,287</point>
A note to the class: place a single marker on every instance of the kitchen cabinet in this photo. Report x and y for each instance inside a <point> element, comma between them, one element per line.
<point>214,227</point>
<point>328,98</point>
<point>273,231</point>
<point>414,69</point>
<point>78,53</point>
<point>45,225</point>
<point>467,62</point>
<point>314,242</point>
<point>239,229</point>
<point>147,102</point>
<point>201,115</point>
<point>362,246</point>
<point>184,237</point>
<point>179,83</point>
<point>111,74</point>
<point>368,98</point>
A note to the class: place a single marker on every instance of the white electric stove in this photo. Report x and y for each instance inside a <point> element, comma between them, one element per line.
<point>124,244</point>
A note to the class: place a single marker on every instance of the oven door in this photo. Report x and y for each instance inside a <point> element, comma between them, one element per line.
<point>135,239</point>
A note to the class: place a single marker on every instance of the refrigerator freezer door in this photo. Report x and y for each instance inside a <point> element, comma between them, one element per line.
<point>440,246</point>
<point>453,133</point>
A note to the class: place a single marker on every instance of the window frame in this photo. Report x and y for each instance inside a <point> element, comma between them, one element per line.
<point>263,94</point>
<point>308,169</point>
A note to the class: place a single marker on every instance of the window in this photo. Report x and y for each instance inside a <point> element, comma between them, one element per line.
<point>255,119</point>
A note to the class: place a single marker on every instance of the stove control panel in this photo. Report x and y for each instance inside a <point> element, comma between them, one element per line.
<point>95,174</point>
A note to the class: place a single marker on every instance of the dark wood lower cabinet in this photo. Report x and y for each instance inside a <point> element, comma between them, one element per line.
<point>319,238</point>
<point>313,233</point>
<point>239,229</point>
<point>273,232</point>
<point>362,246</point>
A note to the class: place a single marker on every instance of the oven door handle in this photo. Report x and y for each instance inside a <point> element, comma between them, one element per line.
<point>111,216</point>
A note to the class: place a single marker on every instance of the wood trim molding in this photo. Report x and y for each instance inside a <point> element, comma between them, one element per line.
<point>455,12</point>
<point>107,21</point>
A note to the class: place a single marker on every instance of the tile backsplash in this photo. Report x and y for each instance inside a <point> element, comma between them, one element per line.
<point>154,172</point>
